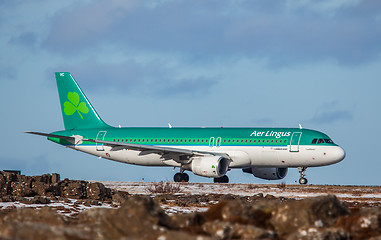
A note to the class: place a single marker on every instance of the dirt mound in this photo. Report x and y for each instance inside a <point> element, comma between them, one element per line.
<point>143,217</point>
<point>16,187</point>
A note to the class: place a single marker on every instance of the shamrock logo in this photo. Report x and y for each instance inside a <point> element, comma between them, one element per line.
<point>74,106</point>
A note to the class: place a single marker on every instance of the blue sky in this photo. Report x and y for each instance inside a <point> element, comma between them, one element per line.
<point>193,63</point>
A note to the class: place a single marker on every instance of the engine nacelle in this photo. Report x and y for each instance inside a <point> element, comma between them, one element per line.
<point>210,166</point>
<point>267,173</point>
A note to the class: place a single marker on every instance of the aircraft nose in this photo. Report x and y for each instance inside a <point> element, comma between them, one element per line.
<point>338,154</point>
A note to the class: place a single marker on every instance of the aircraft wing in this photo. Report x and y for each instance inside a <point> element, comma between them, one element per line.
<point>177,154</point>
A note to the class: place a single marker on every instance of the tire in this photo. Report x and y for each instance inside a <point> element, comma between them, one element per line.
<point>177,177</point>
<point>185,177</point>
<point>303,181</point>
<point>223,179</point>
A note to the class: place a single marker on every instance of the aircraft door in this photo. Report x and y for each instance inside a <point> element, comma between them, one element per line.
<point>218,142</point>
<point>100,136</point>
<point>211,142</point>
<point>295,139</point>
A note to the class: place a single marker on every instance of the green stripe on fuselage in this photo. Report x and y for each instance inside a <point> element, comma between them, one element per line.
<point>199,136</point>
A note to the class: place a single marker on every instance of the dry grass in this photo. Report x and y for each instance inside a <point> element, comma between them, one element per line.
<point>163,187</point>
<point>281,185</point>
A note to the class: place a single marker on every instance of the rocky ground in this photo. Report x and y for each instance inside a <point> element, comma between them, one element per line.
<point>46,207</point>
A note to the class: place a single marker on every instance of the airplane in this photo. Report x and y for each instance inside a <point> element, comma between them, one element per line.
<point>267,153</point>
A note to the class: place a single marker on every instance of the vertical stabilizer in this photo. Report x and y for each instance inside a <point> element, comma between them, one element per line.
<point>77,111</point>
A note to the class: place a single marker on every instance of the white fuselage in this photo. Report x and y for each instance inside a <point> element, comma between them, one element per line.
<point>242,156</point>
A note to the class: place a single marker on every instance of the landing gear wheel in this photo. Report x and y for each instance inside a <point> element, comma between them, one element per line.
<point>177,177</point>
<point>185,177</point>
<point>303,180</point>
<point>181,177</point>
<point>223,179</point>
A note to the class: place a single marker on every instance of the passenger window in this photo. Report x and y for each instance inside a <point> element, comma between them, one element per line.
<point>314,141</point>
<point>321,140</point>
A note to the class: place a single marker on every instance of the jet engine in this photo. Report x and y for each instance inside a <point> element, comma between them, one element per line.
<point>210,166</point>
<point>267,173</point>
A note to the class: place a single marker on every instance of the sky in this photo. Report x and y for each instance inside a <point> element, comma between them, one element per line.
<point>237,63</point>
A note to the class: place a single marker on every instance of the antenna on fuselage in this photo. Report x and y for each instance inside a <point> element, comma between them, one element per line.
<point>169,125</point>
<point>300,126</point>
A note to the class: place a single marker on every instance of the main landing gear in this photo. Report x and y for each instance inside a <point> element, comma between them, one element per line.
<point>223,179</point>
<point>302,179</point>
<point>181,177</point>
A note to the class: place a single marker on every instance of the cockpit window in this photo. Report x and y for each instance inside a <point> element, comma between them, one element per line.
<point>327,140</point>
<point>314,141</point>
<point>320,141</point>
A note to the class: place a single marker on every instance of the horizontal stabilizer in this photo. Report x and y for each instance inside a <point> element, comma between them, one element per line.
<point>52,135</point>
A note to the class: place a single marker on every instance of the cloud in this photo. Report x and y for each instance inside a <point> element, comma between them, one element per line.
<point>7,73</point>
<point>332,116</point>
<point>188,87</point>
<point>26,38</point>
<point>280,32</point>
<point>263,121</point>
<point>151,78</point>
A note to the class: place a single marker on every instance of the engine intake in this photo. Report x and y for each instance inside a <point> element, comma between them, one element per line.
<point>210,166</point>
<point>267,173</point>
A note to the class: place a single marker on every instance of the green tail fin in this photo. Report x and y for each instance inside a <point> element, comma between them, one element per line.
<point>77,111</point>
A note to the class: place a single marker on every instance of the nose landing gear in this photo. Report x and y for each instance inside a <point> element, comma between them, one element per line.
<point>302,179</point>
